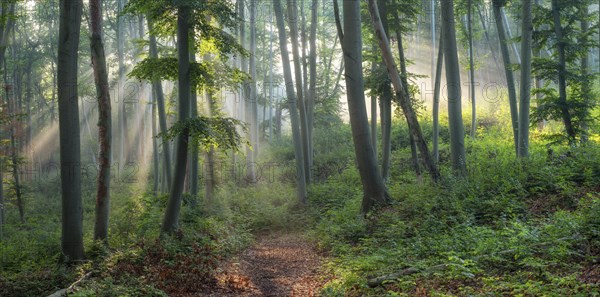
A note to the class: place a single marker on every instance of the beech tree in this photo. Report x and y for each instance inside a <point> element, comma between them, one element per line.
<point>374,191</point>
<point>457,142</point>
<point>68,122</point>
<point>293,109</point>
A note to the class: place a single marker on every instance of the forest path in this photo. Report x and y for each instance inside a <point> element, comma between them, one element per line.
<point>276,265</point>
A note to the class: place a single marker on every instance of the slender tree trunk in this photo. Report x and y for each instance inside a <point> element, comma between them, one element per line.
<point>404,78</point>
<point>104,121</point>
<point>436,101</point>
<point>510,81</point>
<point>123,131</point>
<point>293,15</point>
<point>171,219</point>
<point>251,102</point>
<point>457,144</point>
<point>155,156</point>
<point>68,113</point>
<point>471,69</point>
<point>312,85</point>
<point>374,191</point>
<point>586,91</point>
<point>487,35</point>
<point>562,72</point>
<point>386,107</point>
<point>162,114</point>
<point>403,97</point>
<point>195,156</point>
<point>293,109</point>
<point>6,24</point>
<point>373,113</point>
<point>525,90</point>
<point>509,34</point>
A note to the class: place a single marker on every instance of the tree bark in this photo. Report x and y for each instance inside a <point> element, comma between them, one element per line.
<point>6,24</point>
<point>457,144</point>
<point>312,85</point>
<point>374,191</point>
<point>562,72</point>
<point>525,87</point>
<point>293,25</point>
<point>68,110</point>
<point>162,114</point>
<point>510,81</point>
<point>471,69</point>
<point>104,122</point>
<point>171,219</point>
<point>293,109</point>
<point>403,98</point>
<point>251,106</point>
<point>385,101</point>
<point>436,101</point>
<point>404,78</point>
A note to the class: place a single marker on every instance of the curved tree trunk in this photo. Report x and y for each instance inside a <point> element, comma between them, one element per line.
<point>104,122</point>
<point>510,81</point>
<point>404,77</point>
<point>403,98</point>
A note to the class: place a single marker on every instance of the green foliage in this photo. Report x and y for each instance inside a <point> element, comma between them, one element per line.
<point>577,43</point>
<point>208,133</point>
<point>204,75</point>
<point>512,227</point>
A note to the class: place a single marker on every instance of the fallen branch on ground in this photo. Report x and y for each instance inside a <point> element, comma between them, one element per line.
<point>64,292</point>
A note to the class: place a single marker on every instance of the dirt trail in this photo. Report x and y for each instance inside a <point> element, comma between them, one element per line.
<point>277,265</point>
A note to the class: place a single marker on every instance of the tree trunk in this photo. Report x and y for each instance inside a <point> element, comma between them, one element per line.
<point>436,101</point>
<point>6,24</point>
<point>312,85</point>
<point>162,115</point>
<point>104,121</point>
<point>293,15</point>
<point>386,107</point>
<point>510,81</point>
<point>586,90</point>
<point>373,114</point>
<point>403,98</point>
<point>195,157</point>
<point>374,191</point>
<point>525,90</point>
<point>155,156</point>
<point>251,106</point>
<point>471,69</point>
<point>171,219</point>
<point>404,78</point>
<point>562,72</point>
<point>457,144</point>
<point>123,129</point>
<point>68,115</point>
<point>295,121</point>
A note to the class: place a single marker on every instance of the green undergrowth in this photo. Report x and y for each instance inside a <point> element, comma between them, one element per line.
<point>137,261</point>
<point>510,228</point>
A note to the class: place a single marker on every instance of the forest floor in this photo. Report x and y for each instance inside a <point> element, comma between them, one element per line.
<point>277,264</point>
